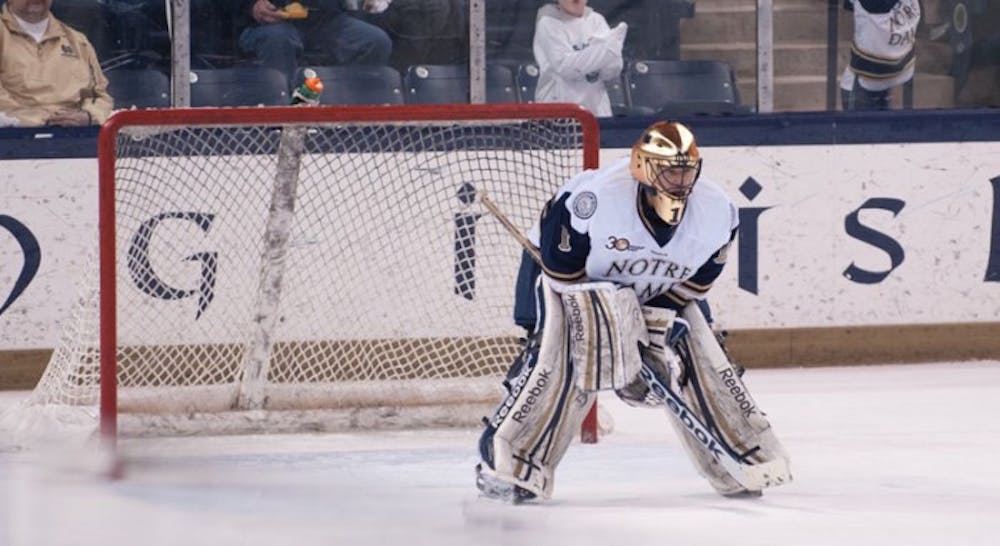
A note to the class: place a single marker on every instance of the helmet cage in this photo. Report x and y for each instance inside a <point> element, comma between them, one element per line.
<point>674,176</point>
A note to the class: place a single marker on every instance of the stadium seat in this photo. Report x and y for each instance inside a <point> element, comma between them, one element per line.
<point>436,84</point>
<point>239,86</point>
<point>139,88</point>
<point>500,84</point>
<point>358,84</point>
<point>449,84</point>
<point>527,81</point>
<point>681,88</point>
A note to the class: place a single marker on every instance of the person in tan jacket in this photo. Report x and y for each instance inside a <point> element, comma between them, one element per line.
<point>49,73</point>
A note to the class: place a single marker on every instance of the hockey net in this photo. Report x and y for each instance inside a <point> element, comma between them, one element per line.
<point>308,268</point>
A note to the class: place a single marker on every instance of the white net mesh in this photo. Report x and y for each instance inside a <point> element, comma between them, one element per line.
<point>314,266</point>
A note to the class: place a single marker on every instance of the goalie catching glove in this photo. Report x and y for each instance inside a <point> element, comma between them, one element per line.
<point>664,331</point>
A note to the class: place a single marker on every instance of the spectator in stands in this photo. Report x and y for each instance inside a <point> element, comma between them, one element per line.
<point>278,33</point>
<point>422,31</point>
<point>576,53</point>
<point>882,55</point>
<point>49,73</point>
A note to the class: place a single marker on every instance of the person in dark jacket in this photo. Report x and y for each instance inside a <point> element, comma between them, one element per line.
<point>277,32</point>
<point>423,31</point>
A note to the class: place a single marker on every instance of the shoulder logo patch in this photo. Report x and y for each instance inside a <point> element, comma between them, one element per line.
<point>585,204</point>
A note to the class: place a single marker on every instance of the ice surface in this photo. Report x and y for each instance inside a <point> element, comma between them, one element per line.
<point>881,455</point>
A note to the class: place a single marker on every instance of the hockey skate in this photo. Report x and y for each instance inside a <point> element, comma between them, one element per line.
<point>744,494</point>
<point>494,488</point>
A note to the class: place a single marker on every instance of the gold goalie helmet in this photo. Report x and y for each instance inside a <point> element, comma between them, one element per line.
<point>666,161</point>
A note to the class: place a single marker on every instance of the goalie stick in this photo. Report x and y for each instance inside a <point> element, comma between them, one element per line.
<point>511,228</point>
<point>752,476</point>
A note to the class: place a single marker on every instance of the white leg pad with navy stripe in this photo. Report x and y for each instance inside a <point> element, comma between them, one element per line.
<point>544,410</point>
<point>716,395</point>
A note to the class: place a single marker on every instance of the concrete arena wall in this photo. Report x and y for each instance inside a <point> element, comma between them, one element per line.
<point>861,243</point>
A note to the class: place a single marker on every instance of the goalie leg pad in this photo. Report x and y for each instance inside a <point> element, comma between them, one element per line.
<point>606,327</point>
<point>532,428</point>
<point>705,462</point>
<point>717,395</point>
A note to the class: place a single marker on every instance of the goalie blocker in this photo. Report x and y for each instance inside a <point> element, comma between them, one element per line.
<point>595,337</point>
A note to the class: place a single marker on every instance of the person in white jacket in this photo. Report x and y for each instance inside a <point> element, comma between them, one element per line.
<point>576,53</point>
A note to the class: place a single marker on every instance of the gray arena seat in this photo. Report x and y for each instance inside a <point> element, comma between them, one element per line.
<point>436,84</point>
<point>681,88</point>
<point>449,84</point>
<point>500,84</point>
<point>526,80</point>
<point>357,84</point>
<point>239,86</point>
<point>139,88</point>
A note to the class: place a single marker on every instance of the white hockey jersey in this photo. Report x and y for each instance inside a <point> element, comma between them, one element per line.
<point>606,216</point>
<point>883,53</point>
<point>575,56</point>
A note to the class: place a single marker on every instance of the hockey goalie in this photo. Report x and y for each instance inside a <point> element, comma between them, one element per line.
<point>622,257</point>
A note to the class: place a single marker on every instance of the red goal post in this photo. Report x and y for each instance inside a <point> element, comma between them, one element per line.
<point>338,254</point>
